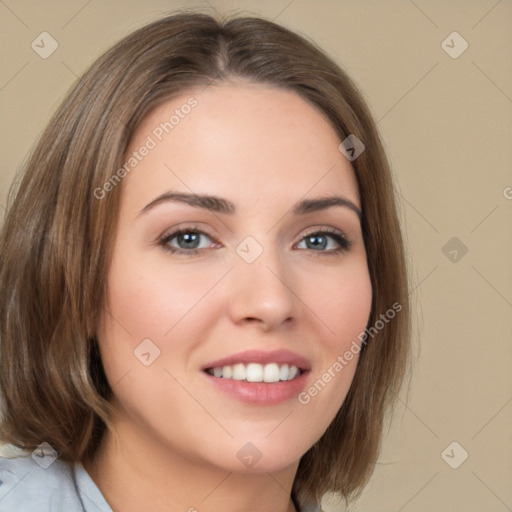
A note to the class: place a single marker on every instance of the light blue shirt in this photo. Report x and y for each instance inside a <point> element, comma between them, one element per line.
<point>26,485</point>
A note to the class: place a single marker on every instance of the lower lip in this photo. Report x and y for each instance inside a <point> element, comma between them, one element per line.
<point>260,393</point>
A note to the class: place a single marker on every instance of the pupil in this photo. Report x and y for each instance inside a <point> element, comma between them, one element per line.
<point>315,243</point>
<point>190,242</point>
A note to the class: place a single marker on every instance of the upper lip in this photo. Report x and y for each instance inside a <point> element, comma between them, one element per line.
<point>258,356</point>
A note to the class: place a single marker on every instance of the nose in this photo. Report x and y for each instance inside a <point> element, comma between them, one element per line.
<point>262,292</point>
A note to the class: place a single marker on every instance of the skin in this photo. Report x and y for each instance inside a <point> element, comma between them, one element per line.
<point>176,436</point>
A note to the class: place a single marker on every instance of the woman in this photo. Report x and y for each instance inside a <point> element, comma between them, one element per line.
<point>204,289</point>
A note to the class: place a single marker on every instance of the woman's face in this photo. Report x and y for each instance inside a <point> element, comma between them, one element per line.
<point>260,280</point>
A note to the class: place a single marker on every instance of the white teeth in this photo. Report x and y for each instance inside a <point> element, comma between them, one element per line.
<point>271,373</point>
<point>239,372</point>
<point>255,372</point>
<point>227,372</point>
<point>293,371</point>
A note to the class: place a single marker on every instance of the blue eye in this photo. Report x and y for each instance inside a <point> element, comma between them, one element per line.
<point>188,241</point>
<point>318,241</point>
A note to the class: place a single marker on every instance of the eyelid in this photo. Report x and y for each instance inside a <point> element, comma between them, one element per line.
<point>176,231</point>
<point>325,229</point>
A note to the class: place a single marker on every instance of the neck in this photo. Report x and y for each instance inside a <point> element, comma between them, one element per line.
<point>133,471</point>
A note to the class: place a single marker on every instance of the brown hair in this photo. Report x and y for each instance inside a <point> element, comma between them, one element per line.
<point>56,240</point>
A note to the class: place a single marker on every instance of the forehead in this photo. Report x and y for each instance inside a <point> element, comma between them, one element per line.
<point>252,142</point>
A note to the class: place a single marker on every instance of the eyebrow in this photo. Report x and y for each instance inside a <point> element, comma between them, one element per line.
<point>220,205</point>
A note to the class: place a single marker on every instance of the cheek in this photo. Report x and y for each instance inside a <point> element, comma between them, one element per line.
<point>342,303</point>
<point>152,301</point>
<point>149,299</point>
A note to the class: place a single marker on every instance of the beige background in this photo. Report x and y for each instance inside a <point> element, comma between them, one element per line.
<point>447,125</point>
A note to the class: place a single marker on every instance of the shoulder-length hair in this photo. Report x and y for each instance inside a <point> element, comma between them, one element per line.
<point>56,241</point>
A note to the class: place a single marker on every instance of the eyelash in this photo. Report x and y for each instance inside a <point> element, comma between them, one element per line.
<point>344,243</point>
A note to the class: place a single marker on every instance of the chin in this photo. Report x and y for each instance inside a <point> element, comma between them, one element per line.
<point>259,455</point>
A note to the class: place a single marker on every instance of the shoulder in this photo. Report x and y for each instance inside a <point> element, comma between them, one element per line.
<point>32,481</point>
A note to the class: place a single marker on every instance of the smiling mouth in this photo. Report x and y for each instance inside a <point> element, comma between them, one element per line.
<point>255,372</point>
